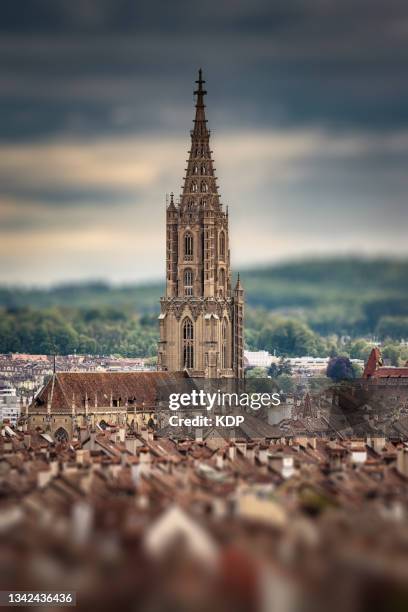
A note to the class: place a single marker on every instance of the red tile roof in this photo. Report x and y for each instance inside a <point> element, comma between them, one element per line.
<point>374,367</point>
<point>132,388</point>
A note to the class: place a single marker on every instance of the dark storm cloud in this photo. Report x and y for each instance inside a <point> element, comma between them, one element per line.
<point>308,100</point>
<point>89,66</point>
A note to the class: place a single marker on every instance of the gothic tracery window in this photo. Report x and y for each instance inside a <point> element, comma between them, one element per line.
<point>221,280</point>
<point>204,187</point>
<point>188,343</point>
<point>224,345</point>
<point>188,282</point>
<point>222,245</point>
<point>61,435</point>
<point>188,246</point>
<point>194,187</point>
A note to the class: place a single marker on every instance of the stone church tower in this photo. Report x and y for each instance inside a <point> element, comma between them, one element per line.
<point>201,320</point>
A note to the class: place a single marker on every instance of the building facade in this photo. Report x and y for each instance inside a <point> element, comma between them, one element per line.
<point>71,401</point>
<point>9,404</point>
<point>201,319</point>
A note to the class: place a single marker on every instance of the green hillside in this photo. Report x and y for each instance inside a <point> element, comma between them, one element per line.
<point>318,300</point>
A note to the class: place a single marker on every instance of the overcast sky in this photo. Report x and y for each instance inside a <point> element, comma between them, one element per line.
<point>307,103</point>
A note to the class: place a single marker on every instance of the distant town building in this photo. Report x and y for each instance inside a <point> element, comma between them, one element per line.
<point>9,404</point>
<point>259,359</point>
<point>375,368</point>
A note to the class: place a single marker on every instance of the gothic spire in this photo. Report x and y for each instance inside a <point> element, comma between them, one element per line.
<point>200,127</point>
<point>200,188</point>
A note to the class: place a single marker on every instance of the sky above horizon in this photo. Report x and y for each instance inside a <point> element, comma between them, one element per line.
<point>307,103</point>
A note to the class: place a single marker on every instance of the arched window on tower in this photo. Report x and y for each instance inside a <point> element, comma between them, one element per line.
<point>188,282</point>
<point>204,187</point>
<point>188,343</point>
<point>195,169</point>
<point>203,169</point>
<point>221,281</point>
<point>224,345</point>
<point>188,246</point>
<point>194,187</point>
<point>222,245</point>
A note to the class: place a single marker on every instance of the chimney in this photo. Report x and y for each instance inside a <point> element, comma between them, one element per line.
<point>241,446</point>
<point>402,460</point>
<point>131,445</point>
<point>135,473</point>
<point>312,443</point>
<point>43,478</point>
<point>250,453</point>
<point>232,451</point>
<point>377,444</point>
<point>82,519</point>
<point>262,453</point>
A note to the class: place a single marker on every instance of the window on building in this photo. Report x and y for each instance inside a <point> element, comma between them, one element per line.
<point>221,280</point>
<point>188,245</point>
<point>222,245</point>
<point>224,344</point>
<point>61,435</point>
<point>204,187</point>
<point>188,282</point>
<point>203,169</point>
<point>194,187</point>
<point>188,343</point>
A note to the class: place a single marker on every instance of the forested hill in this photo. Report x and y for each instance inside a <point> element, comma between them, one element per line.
<point>298,284</point>
<point>339,296</point>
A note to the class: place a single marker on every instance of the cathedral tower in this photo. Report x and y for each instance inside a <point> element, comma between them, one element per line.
<point>201,319</point>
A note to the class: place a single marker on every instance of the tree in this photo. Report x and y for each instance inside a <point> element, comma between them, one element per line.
<point>359,349</point>
<point>340,368</point>
<point>290,338</point>
<point>282,367</point>
<point>285,383</point>
<point>256,373</point>
<point>392,327</point>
